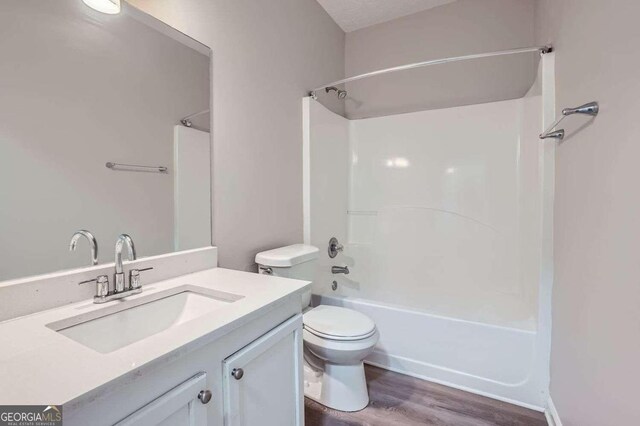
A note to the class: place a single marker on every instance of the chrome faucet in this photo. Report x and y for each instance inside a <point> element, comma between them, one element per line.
<point>118,278</point>
<point>340,270</point>
<point>120,287</point>
<point>92,240</point>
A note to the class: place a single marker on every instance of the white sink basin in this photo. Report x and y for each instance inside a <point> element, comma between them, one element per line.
<point>126,322</point>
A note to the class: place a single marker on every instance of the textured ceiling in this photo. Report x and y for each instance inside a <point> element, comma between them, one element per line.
<point>355,14</point>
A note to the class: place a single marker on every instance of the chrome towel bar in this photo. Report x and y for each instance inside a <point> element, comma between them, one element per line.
<point>136,168</point>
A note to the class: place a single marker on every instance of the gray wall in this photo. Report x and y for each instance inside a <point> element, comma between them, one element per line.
<point>460,28</point>
<point>596,295</point>
<point>267,55</point>
<point>78,89</point>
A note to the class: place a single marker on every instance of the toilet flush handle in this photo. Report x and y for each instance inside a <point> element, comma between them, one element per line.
<point>265,270</point>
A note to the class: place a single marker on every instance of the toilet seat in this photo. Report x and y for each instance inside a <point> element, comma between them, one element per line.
<point>339,338</point>
<point>336,323</point>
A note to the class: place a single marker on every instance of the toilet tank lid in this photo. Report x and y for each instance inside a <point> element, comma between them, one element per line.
<point>285,257</point>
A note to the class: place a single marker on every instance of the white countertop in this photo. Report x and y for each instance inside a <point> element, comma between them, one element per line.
<point>41,366</point>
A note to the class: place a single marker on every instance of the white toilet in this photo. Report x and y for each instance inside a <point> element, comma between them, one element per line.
<point>336,340</point>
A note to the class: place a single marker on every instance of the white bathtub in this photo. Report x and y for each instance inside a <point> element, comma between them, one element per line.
<point>494,361</point>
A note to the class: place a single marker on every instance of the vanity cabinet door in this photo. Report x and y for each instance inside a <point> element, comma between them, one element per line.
<point>178,407</point>
<point>263,381</point>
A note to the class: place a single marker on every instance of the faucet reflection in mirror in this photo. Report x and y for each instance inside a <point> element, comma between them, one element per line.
<point>92,240</point>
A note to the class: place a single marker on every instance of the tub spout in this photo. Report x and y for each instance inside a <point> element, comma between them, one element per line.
<point>340,270</point>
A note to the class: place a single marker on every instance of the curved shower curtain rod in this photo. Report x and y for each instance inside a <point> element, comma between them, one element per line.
<point>541,49</point>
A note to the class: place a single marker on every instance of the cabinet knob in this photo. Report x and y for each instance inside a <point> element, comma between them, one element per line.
<point>237,373</point>
<point>204,396</point>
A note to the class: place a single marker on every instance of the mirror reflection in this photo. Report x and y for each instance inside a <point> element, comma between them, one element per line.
<point>104,127</point>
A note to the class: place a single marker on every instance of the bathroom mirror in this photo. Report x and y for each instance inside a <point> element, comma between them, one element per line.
<point>80,89</point>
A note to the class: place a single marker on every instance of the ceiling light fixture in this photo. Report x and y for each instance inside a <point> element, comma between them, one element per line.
<point>111,7</point>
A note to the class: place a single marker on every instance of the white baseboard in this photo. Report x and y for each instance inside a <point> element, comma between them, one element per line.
<point>551,414</point>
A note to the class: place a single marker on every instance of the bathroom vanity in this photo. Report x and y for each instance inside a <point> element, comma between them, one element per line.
<point>211,347</point>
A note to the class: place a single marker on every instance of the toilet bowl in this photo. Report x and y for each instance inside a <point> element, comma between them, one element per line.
<point>336,339</point>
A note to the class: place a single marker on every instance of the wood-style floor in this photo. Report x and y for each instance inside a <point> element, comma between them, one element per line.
<point>397,399</point>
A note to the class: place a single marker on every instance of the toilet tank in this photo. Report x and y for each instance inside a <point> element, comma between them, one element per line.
<point>297,261</point>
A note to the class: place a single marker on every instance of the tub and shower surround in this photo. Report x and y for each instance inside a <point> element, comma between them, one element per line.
<point>439,209</point>
<point>440,212</point>
<point>436,212</point>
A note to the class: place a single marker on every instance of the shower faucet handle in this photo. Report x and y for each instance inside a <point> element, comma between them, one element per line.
<point>334,247</point>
